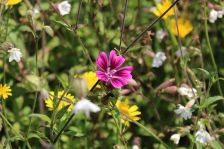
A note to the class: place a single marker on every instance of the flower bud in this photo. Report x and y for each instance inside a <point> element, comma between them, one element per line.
<point>190,103</point>
<point>80,88</point>
<point>124,92</point>
<point>132,82</point>
<point>166,84</point>
<point>43,95</point>
<point>7,45</point>
<point>149,53</point>
<point>171,90</point>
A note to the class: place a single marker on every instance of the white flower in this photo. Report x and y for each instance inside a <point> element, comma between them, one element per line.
<point>14,54</point>
<point>85,106</point>
<point>203,136</point>
<point>184,112</point>
<point>36,11</point>
<point>160,34</point>
<point>135,147</point>
<point>220,13</point>
<point>158,59</point>
<point>190,93</point>
<point>175,138</point>
<point>64,8</point>
<point>213,16</point>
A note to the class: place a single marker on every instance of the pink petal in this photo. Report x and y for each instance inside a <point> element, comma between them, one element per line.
<point>118,82</point>
<point>102,61</point>
<point>101,75</point>
<point>124,72</point>
<point>115,61</point>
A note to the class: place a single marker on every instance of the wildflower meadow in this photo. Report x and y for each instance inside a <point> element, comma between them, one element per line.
<point>111,74</point>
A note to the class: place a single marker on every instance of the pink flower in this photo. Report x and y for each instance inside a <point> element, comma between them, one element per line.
<point>110,70</point>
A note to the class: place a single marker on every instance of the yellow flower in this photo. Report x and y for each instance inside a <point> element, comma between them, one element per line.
<point>128,112</point>
<point>67,99</point>
<point>184,26</point>
<point>90,78</point>
<point>12,2</point>
<point>162,7</point>
<point>5,91</point>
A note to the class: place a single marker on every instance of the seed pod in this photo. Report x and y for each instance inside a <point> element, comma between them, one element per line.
<point>80,88</point>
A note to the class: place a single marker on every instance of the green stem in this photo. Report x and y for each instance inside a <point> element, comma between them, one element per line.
<point>4,80</point>
<point>66,124</point>
<point>122,138</point>
<point>5,119</point>
<point>36,94</point>
<point>54,112</point>
<point>210,48</point>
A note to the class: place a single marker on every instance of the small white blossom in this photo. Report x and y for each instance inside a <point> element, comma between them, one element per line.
<point>158,59</point>
<point>160,34</point>
<point>85,106</point>
<point>14,54</point>
<point>36,10</point>
<point>184,112</point>
<point>135,147</point>
<point>220,13</point>
<point>213,16</point>
<point>175,138</point>
<point>190,93</point>
<point>203,136</point>
<point>64,8</point>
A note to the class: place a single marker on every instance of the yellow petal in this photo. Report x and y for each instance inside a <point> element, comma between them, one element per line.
<point>135,113</point>
<point>133,108</point>
<point>12,2</point>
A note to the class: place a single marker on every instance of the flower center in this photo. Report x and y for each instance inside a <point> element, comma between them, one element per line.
<point>110,73</point>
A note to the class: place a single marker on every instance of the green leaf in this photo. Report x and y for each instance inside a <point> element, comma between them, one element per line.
<point>33,135</point>
<point>63,79</point>
<point>204,72</point>
<point>42,117</point>
<point>49,30</point>
<point>210,101</point>
<point>62,112</point>
<point>216,145</point>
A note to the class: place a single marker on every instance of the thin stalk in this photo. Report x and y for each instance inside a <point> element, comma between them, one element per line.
<point>4,80</point>
<point>78,14</point>
<point>181,52</point>
<point>37,73</point>
<point>54,112</point>
<point>210,48</point>
<point>149,27</point>
<point>66,124</point>
<point>123,23</point>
